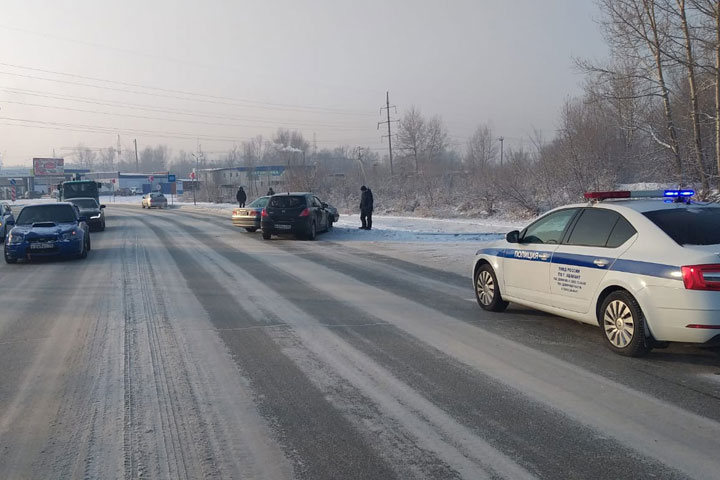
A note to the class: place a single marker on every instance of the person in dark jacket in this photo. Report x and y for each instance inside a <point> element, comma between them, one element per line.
<point>270,191</point>
<point>366,208</point>
<point>241,197</point>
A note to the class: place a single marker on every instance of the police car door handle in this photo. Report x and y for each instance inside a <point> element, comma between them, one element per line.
<point>543,256</point>
<point>600,262</point>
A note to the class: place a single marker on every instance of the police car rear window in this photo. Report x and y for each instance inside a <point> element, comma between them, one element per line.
<point>689,225</point>
<point>593,228</point>
<point>287,201</point>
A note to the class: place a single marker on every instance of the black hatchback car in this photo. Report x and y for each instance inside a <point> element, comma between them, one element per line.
<point>302,214</point>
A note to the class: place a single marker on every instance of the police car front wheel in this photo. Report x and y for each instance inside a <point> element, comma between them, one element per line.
<point>623,325</point>
<point>487,290</point>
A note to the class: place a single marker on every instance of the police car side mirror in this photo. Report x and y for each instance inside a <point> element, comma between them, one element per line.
<point>9,221</point>
<point>82,219</point>
<point>102,206</point>
<point>513,237</point>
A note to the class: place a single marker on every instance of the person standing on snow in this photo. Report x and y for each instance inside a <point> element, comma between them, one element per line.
<point>241,197</point>
<point>366,208</point>
<point>270,191</point>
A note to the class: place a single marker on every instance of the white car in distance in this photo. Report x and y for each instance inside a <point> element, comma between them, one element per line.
<point>645,269</point>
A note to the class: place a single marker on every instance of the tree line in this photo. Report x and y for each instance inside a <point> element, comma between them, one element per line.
<point>650,112</point>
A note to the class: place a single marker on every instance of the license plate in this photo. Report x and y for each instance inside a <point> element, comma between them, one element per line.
<point>41,246</point>
<point>283,227</point>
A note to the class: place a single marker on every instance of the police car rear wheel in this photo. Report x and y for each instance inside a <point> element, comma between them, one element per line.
<point>623,325</point>
<point>487,291</point>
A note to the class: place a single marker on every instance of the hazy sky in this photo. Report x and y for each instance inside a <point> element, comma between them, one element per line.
<point>248,67</point>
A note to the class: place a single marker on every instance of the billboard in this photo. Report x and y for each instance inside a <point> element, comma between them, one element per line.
<point>48,167</point>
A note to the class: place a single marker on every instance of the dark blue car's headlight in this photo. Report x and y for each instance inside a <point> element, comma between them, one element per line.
<point>15,238</point>
<point>71,235</point>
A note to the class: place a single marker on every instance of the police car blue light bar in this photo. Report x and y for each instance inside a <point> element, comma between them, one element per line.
<point>639,194</point>
<point>679,193</point>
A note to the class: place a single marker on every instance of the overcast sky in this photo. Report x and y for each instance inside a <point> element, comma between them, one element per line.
<point>85,71</point>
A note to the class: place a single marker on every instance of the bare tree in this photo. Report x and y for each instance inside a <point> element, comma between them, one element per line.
<point>637,31</point>
<point>85,157</point>
<point>412,135</point>
<point>481,149</point>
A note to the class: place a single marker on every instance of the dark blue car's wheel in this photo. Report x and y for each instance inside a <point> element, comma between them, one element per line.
<point>85,249</point>
<point>8,259</point>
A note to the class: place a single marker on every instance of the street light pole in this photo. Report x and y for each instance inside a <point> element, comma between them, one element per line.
<point>502,139</point>
<point>195,174</point>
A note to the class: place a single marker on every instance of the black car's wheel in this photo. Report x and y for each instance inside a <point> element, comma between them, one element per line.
<point>266,236</point>
<point>102,226</point>
<point>487,290</point>
<point>8,259</point>
<point>623,325</point>
<point>87,243</point>
<point>313,232</point>
<point>251,229</point>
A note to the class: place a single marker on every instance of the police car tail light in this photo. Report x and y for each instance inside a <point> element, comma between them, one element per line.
<point>264,212</point>
<point>305,212</point>
<point>701,277</point>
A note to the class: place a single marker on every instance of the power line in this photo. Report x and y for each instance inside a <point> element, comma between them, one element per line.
<point>28,123</point>
<point>173,111</point>
<point>144,117</point>
<point>164,58</point>
<point>215,98</point>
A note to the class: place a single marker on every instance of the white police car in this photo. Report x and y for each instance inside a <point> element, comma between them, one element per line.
<point>647,271</point>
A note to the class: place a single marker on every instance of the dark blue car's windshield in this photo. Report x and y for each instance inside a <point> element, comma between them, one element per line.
<point>46,213</point>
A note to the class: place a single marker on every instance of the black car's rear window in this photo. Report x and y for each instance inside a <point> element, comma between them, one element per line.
<point>259,202</point>
<point>690,225</point>
<point>46,213</point>
<point>287,201</point>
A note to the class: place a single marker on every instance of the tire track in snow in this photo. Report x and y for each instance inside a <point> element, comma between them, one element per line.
<point>450,335</point>
<point>428,427</point>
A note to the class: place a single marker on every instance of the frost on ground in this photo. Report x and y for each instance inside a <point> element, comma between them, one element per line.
<point>442,243</point>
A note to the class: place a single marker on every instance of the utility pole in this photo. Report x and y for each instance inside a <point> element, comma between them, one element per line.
<point>358,152</point>
<point>118,151</point>
<point>137,163</point>
<point>501,149</point>
<point>197,168</point>
<point>389,135</point>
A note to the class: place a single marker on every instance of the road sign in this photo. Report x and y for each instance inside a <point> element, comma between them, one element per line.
<point>151,178</point>
<point>171,178</point>
<point>12,182</point>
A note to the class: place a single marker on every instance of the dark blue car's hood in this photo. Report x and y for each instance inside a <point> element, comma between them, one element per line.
<point>29,231</point>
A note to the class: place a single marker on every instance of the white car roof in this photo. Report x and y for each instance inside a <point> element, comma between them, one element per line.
<point>642,206</point>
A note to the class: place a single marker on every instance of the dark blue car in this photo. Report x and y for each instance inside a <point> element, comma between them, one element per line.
<point>47,230</point>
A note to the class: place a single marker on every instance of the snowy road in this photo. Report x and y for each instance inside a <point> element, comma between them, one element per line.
<point>186,348</point>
